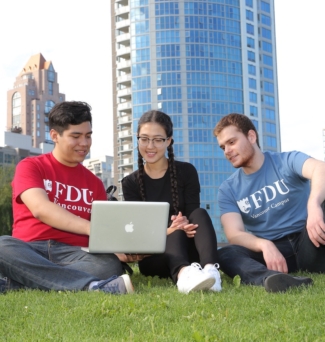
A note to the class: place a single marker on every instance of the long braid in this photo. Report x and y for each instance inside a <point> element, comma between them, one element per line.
<point>173,176</point>
<point>140,175</point>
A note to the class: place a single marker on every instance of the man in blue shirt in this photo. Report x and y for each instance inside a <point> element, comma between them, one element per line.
<point>272,210</point>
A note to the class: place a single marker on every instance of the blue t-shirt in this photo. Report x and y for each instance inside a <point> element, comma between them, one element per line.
<point>272,201</point>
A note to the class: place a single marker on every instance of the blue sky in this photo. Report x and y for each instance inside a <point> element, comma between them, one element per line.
<point>77,41</point>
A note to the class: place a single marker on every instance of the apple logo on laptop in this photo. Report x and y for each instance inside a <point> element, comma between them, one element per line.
<point>129,227</point>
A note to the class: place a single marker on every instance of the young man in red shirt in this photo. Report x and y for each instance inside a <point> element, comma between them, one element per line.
<point>52,197</point>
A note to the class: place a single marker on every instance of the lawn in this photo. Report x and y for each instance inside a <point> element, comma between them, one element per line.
<point>158,312</point>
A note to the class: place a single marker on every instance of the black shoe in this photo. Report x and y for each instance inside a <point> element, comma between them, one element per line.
<point>282,282</point>
<point>3,285</point>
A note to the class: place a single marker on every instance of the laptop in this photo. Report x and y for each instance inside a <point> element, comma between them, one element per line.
<point>128,227</point>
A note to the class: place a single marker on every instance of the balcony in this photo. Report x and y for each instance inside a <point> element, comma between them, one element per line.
<point>124,39</point>
<point>125,162</point>
<point>123,24</point>
<point>16,129</point>
<point>124,79</point>
<point>125,148</point>
<point>124,66</point>
<point>122,12</point>
<point>124,106</point>
<point>124,52</point>
<point>125,134</point>
<point>124,119</point>
<point>125,93</point>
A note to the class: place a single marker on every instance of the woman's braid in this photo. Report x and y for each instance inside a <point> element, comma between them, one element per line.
<point>140,175</point>
<point>173,176</point>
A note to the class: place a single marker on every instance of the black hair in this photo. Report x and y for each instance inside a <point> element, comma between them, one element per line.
<point>67,113</point>
<point>166,123</point>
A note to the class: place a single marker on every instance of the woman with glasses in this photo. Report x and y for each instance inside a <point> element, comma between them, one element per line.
<point>190,258</point>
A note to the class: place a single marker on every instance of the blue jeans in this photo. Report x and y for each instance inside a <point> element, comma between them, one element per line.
<point>299,252</point>
<point>51,265</point>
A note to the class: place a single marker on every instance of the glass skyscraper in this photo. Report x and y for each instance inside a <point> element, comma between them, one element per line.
<point>196,61</point>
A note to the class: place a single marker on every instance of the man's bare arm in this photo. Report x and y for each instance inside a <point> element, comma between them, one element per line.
<point>315,171</point>
<point>235,232</point>
<point>52,214</point>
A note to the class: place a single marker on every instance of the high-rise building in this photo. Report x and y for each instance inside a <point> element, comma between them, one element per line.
<point>196,61</point>
<point>35,92</point>
<point>102,168</point>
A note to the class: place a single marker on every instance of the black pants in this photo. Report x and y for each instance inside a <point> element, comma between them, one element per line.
<point>182,251</point>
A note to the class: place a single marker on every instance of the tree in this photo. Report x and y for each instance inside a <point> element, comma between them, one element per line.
<point>6,217</point>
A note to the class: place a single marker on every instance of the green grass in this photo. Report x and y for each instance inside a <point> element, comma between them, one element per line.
<point>158,312</point>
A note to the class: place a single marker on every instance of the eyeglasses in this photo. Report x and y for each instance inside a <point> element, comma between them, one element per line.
<point>157,142</point>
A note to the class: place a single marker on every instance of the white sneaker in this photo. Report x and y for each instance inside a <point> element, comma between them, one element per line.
<point>212,270</point>
<point>193,278</point>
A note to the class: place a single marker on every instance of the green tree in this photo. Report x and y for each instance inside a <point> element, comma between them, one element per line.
<point>6,218</point>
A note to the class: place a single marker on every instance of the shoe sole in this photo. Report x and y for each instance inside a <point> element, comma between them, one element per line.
<point>128,284</point>
<point>203,285</point>
<point>282,282</point>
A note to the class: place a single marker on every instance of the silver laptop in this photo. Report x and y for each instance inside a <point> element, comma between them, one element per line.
<point>128,227</point>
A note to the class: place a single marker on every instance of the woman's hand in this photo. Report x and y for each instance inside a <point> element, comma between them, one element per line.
<point>131,257</point>
<point>181,222</point>
<point>190,229</point>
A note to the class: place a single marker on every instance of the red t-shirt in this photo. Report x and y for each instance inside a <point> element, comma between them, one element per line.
<point>72,188</point>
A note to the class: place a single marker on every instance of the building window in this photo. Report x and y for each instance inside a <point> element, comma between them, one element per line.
<point>253,111</point>
<point>267,47</point>
<point>51,74</point>
<point>270,128</point>
<point>250,42</point>
<point>50,85</point>
<point>48,106</point>
<point>270,141</point>
<point>251,69</point>
<point>252,83</point>
<point>269,114</point>
<point>249,15</point>
<point>266,20</point>
<point>269,87</point>
<point>265,7</point>
<point>249,3</point>
<point>268,73</point>
<point>266,33</point>
<point>250,29</point>
<point>269,100</point>
<point>251,56</point>
<point>252,97</point>
<point>16,109</point>
<point>268,60</point>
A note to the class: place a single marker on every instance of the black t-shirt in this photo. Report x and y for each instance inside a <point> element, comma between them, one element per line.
<point>159,190</point>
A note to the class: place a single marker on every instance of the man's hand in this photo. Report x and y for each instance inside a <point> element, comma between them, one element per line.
<point>316,226</point>
<point>274,260</point>
<point>131,257</point>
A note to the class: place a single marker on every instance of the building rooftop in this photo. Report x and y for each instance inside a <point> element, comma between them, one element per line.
<point>36,62</point>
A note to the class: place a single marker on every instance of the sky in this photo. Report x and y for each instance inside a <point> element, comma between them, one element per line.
<point>77,40</point>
